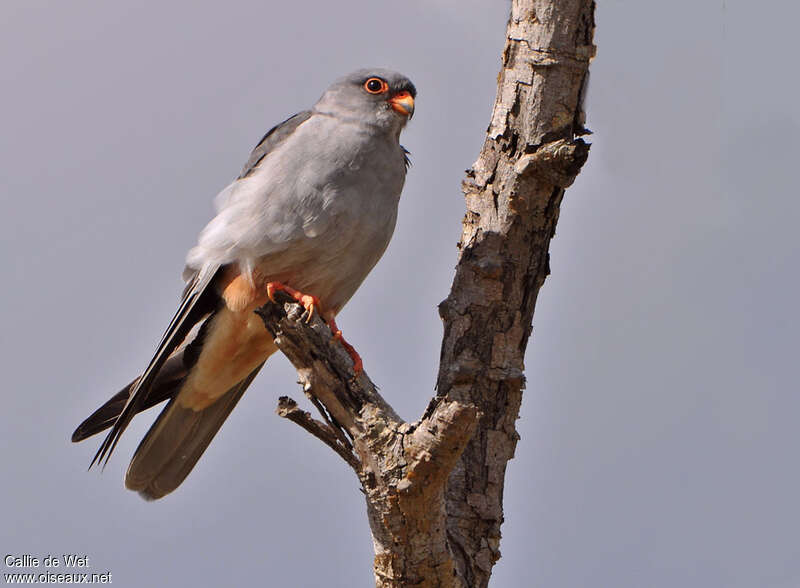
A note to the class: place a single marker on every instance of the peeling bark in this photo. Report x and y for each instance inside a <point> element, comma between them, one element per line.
<point>513,192</point>
<point>434,488</point>
<point>403,467</point>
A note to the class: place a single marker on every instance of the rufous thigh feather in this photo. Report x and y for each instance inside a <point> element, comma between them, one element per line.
<point>236,343</point>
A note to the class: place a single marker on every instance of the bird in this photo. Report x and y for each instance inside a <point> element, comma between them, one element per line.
<point>310,214</point>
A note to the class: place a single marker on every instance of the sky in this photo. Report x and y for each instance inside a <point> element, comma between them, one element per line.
<point>659,427</point>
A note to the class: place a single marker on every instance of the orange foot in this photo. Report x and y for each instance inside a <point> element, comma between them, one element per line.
<point>309,302</point>
<point>312,303</point>
<point>358,365</point>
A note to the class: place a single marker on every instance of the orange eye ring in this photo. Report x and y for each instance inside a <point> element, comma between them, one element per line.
<point>376,86</point>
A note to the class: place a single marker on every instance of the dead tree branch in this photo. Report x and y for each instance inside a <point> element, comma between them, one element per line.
<point>513,193</point>
<point>403,467</point>
<point>434,488</point>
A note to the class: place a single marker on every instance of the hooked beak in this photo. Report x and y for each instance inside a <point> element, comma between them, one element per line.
<point>403,103</point>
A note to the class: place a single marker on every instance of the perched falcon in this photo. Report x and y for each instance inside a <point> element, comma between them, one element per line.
<point>311,213</point>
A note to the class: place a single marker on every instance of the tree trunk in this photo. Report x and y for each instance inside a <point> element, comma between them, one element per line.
<point>434,488</point>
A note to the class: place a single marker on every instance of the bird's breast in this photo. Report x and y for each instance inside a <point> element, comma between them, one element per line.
<point>353,203</point>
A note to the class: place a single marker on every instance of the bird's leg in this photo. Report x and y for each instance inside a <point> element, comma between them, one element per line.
<point>312,303</point>
<point>358,365</point>
<point>309,301</point>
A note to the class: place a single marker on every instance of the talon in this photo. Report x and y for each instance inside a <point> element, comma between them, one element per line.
<point>309,301</point>
<point>271,289</point>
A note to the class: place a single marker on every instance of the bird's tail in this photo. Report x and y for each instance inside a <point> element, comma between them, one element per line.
<point>176,441</point>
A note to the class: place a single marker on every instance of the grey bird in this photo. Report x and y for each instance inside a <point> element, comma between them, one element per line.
<point>311,213</point>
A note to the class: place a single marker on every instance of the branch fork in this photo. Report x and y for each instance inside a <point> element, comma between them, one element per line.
<point>403,467</point>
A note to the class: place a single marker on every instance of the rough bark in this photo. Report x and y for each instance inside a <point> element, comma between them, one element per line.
<point>434,488</point>
<point>403,467</point>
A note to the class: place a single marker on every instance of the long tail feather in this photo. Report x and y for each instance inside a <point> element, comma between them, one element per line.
<point>194,307</point>
<point>176,441</point>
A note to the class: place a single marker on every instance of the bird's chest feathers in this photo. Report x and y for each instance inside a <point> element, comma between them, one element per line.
<point>363,184</point>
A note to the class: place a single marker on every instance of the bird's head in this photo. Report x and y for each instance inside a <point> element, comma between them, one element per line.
<point>378,97</point>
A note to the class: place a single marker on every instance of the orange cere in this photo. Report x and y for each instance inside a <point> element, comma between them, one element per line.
<point>403,102</point>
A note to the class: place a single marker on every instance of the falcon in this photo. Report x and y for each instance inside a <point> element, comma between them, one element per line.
<point>311,214</point>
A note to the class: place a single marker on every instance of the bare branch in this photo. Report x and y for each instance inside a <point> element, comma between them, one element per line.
<point>403,467</point>
<point>438,442</point>
<point>513,194</point>
<point>324,367</point>
<point>335,427</point>
<point>288,409</point>
<point>434,488</point>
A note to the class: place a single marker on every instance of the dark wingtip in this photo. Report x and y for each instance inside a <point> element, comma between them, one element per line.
<point>97,456</point>
<point>103,417</point>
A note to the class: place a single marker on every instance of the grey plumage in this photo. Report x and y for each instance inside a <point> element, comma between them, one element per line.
<point>271,139</point>
<point>314,207</point>
<point>175,442</point>
<point>327,193</point>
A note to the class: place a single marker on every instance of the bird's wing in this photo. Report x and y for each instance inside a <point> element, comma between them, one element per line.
<point>170,378</point>
<point>198,300</point>
<point>254,212</point>
<point>273,137</point>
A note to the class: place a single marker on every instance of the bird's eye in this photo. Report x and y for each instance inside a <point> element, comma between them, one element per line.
<point>376,86</point>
